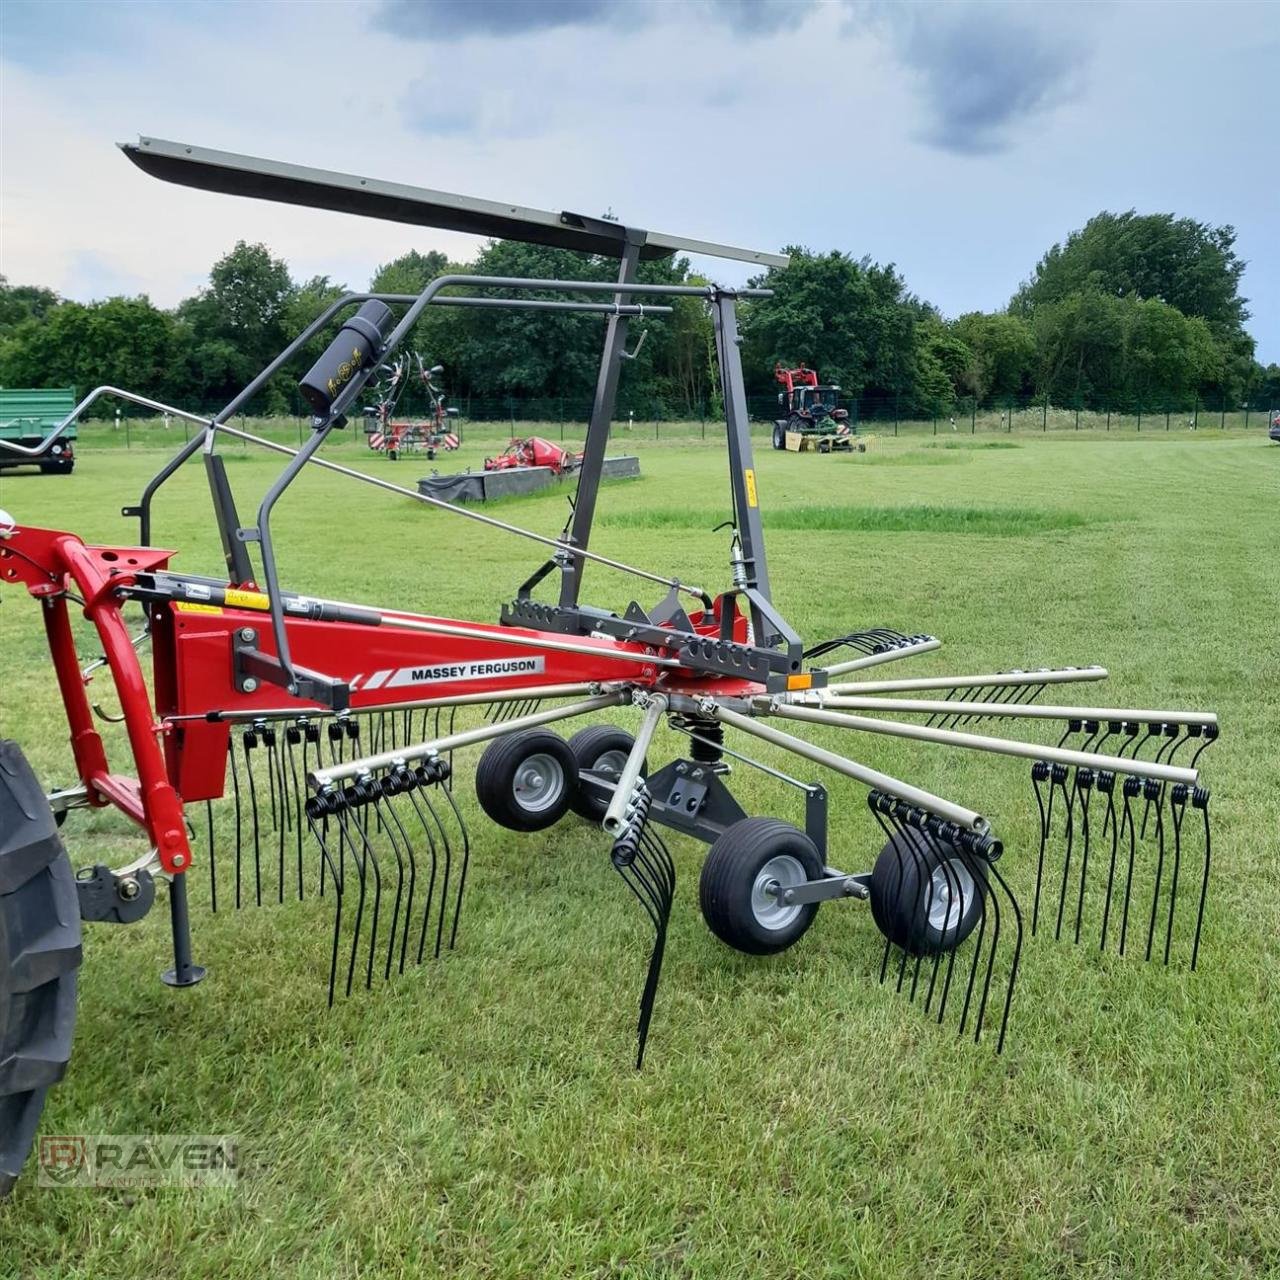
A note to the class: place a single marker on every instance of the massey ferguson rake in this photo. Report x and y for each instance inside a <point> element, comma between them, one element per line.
<point>303,747</point>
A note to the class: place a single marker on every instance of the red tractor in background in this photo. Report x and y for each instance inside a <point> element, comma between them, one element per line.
<point>810,416</point>
<point>394,436</point>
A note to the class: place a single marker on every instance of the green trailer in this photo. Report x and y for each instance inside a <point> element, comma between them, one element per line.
<point>27,416</point>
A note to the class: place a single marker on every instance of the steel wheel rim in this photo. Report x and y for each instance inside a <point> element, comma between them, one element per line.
<point>951,890</point>
<point>779,873</point>
<point>611,762</point>
<point>539,782</point>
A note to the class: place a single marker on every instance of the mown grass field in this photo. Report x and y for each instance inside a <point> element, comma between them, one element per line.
<point>480,1116</point>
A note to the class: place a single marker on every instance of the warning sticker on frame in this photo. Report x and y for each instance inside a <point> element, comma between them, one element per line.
<point>453,672</point>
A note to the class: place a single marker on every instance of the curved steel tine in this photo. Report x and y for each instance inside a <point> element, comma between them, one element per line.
<point>992,945</point>
<point>1059,780</point>
<point>1177,811</point>
<point>371,862</point>
<point>1106,784</point>
<point>346,843</point>
<point>465,862</point>
<point>1012,979</point>
<point>389,820</point>
<point>444,879</point>
<point>954,891</point>
<point>235,791</point>
<point>889,836</point>
<point>1084,786</point>
<point>248,740</point>
<point>1200,800</point>
<point>413,882</point>
<point>318,830</point>
<point>1045,815</point>
<point>1127,822</point>
<point>1155,895</point>
<point>416,800</point>
<point>213,860</point>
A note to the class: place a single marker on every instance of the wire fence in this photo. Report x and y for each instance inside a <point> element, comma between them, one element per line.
<point>492,421</point>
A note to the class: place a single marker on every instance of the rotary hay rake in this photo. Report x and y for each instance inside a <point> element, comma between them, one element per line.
<point>303,746</point>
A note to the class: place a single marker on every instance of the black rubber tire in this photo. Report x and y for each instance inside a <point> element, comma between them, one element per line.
<point>588,746</point>
<point>728,877</point>
<point>39,958</point>
<point>779,436</point>
<point>901,895</point>
<point>497,781</point>
<point>393,455</point>
<point>824,446</point>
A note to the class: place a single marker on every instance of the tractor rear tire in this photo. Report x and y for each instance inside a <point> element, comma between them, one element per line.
<point>737,891</point>
<point>527,780</point>
<point>39,958</point>
<point>603,749</point>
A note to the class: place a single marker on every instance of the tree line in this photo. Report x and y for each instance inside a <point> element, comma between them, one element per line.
<point>1131,311</point>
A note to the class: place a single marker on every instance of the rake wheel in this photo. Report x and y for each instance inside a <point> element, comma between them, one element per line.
<point>39,958</point>
<point>745,871</point>
<point>925,896</point>
<point>602,749</point>
<point>528,780</point>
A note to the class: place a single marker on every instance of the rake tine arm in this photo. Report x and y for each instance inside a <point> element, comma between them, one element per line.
<point>917,684</point>
<point>979,742</point>
<point>1001,710</point>
<point>968,819</point>
<point>345,769</point>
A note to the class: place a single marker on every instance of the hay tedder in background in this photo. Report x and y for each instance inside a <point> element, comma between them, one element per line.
<point>288,745</point>
<point>810,416</point>
<point>392,435</point>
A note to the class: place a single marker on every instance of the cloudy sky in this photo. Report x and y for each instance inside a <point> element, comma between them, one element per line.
<point>957,139</point>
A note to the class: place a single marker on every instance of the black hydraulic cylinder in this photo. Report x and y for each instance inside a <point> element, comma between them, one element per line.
<point>359,342</point>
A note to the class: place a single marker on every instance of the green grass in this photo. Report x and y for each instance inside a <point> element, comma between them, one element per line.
<point>480,1117</point>
<point>923,518</point>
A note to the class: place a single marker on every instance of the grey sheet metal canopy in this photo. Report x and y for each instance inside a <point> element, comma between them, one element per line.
<point>261,179</point>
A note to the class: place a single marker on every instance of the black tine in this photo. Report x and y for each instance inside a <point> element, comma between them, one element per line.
<point>1200,800</point>
<point>1131,788</point>
<point>213,857</point>
<point>235,792</point>
<point>293,738</point>
<point>319,830</point>
<point>1177,810</point>
<point>1210,737</point>
<point>1068,799</point>
<point>413,881</point>
<point>465,863</point>
<point>1084,788</point>
<point>992,944</point>
<point>1012,980</point>
<point>651,847</point>
<point>447,846</point>
<point>1040,773</point>
<point>268,738</point>
<point>250,740</point>
<point>1155,896</point>
<point>954,891</point>
<point>416,800</point>
<point>872,799</point>
<point>644,863</point>
<point>390,823</point>
<point>347,843</point>
<point>1106,784</point>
